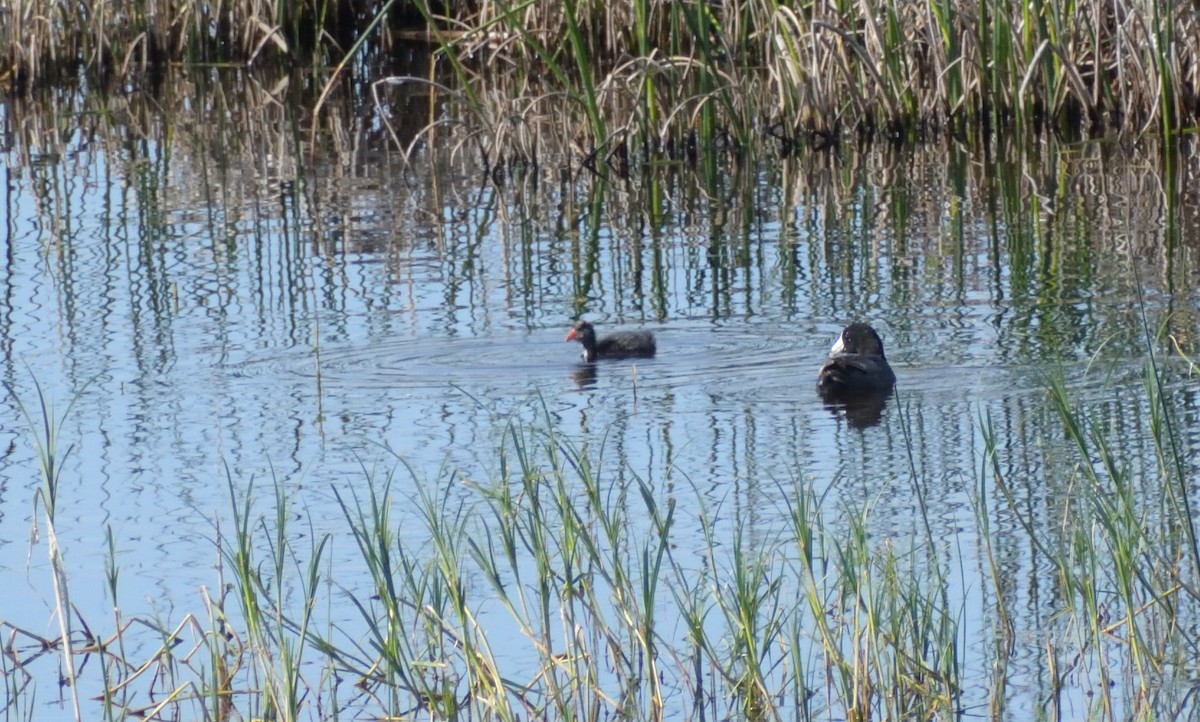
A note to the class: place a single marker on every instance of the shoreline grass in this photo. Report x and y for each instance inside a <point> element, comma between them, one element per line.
<point>544,590</point>
<point>651,78</point>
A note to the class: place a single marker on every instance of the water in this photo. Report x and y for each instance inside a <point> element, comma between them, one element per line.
<point>191,320</point>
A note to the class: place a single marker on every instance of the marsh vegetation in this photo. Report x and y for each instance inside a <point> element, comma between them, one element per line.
<point>629,82</point>
<point>289,414</point>
<point>552,588</point>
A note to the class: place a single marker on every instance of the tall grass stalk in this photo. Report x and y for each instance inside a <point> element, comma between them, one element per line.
<point>394,661</point>
<point>750,603</point>
<point>599,526</point>
<point>448,534</point>
<point>224,655</point>
<point>1120,558</point>
<point>1004,626</point>
<point>582,568</point>
<point>497,554</point>
<point>46,429</point>
<point>111,669</point>
<point>276,637</point>
<point>583,64</point>
<point>1163,426</point>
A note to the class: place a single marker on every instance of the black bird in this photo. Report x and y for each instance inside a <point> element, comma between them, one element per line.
<point>856,365</point>
<point>623,344</point>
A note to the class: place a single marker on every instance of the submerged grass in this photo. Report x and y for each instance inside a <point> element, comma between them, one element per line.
<point>555,589</point>
<point>1125,559</point>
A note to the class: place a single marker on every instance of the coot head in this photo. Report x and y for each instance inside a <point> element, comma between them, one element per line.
<point>858,338</point>
<point>583,332</point>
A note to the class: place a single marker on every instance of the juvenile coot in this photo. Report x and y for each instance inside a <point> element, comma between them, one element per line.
<point>856,365</point>
<point>623,344</point>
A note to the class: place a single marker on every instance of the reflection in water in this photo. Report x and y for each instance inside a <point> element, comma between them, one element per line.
<point>584,375</point>
<point>859,410</point>
<point>195,321</point>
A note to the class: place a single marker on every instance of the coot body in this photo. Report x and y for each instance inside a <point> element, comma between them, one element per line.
<point>856,365</point>
<point>623,344</point>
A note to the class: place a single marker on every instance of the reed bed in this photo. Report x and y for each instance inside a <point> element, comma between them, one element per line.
<point>649,78</point>
<point>45,40</point>
<point>546,590</point>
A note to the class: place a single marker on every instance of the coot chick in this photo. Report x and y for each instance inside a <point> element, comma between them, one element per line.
<point>623,344</point>
<point>856,365</point>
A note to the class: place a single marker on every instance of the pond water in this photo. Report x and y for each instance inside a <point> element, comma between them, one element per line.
<point>193,314</point>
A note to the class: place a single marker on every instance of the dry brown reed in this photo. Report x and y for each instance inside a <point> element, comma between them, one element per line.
<point>43,40</point>
<point>796,72</point>
<point>655,78</point>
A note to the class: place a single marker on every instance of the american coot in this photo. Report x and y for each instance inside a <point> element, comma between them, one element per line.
<point>623,344</point>
<point>856,365</point>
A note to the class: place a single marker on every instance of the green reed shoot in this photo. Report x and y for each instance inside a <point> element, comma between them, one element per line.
<point>112,670</point>
<point>46,430</point>
<point>1121,571</point>
<point>448,534</point>
<point>753,610</point>
<point>1163,425</point>
<point>584,66</point>
<point>276,638</point>
<point>1003,626</point>
<point>400,665</point>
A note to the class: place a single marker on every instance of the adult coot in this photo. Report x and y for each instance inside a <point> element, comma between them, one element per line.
<point>623,344</point>
<point>856,365</point>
